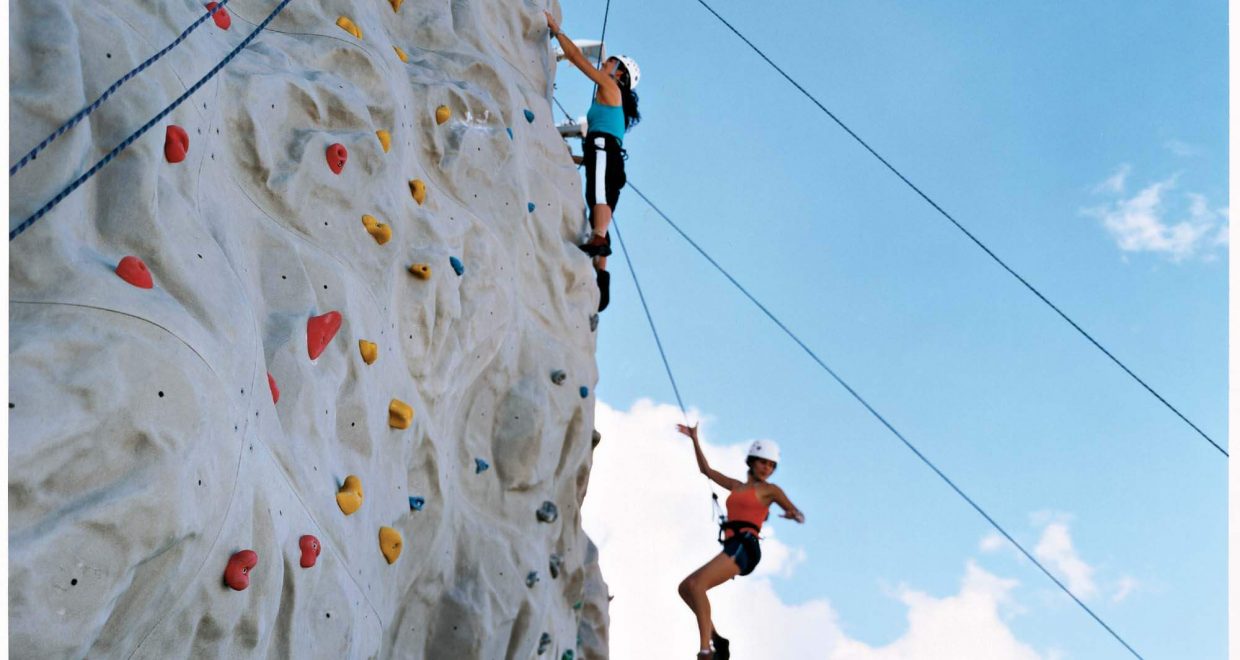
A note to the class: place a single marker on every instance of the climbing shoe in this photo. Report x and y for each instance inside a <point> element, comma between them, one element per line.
<point>597,246</point>
<point>604,288</point>
<point>721,646</point>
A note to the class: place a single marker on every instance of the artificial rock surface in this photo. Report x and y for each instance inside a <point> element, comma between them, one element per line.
<point>147,446</point>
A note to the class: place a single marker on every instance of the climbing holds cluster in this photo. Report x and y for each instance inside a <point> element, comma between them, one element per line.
<point>381,232</point>
<point>349,26</point>
<point>369,351</point>
<point>555,563</point>
<point>222,20</point>
<point>390,544</point>
<point>237,572</point>
<point>310,549</point>
<point>547,512</point>
<point>275,391</point>
<point>385,140</point>
<point>349,497</point>
<point>593,322</point>
<point>133,270</point>
<point>319,332</point>
<point>416,503</point>
<point>531,579</point>
<point>176,143</point>
<point>544,643</point>
<point>457,266</point>
<point>337,156</point>
<point>442,114</point>
<point>529,115</point>
<point>396,4</point>
<point>400,54</point>
<point>530,206</point>
<point>421,271</point>
<point>558,377</point>
<point>480,466</point>
<point>585,391</point>
<point>400,415</point>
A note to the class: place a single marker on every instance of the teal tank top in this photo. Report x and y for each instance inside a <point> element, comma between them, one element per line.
<point>606,119</point>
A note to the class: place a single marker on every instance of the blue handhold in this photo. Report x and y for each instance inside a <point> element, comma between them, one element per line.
<point>585,391</point>
<point>529,115</point>
<point>457,265</point>
<point>530,206</point>
<point>416,503</point>
<point>509,133</point>
<point>480,465</point>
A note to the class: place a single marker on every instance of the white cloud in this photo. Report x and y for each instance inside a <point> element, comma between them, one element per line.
<point>967,625</point>
<point>1124,588</point>
<point>649,511</point>
<point>992,542</point>
<point>1056,551</point>
<point>1140,224</point>
<point>1115,183</point>
<point>1181,148</point>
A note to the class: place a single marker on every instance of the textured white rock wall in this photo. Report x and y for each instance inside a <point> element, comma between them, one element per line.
<point>145,447</point>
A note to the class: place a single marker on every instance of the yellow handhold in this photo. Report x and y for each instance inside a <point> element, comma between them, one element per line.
<point>390,544</point>
<point>442,114</point>
<point>421,271</point>
<point>381,232</point>
<point>385,139</point>
<point>370,351</point>
<point>401,54</point>
<point>396,4</point>
<point>399,414</point>
<point>350,497</point>
<point>419,191</point>
<point>349,26</point>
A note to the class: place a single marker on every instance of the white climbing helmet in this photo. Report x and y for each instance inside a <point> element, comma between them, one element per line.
<point>765,449</point>
<point>630,65</point>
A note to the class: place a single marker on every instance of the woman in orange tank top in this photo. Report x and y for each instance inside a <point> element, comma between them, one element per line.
<point>748,506</point>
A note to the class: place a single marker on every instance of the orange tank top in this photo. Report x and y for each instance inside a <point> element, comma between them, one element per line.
<point>743,504</point>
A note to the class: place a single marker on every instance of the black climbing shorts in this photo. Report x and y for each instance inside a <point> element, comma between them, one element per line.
<point>743,548</point>
<point>604,163</point>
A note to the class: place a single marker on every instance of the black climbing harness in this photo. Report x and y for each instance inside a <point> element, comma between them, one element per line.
<point>735,526</point>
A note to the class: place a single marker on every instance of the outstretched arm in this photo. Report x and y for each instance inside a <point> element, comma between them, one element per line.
<point>573,54</point>
<point>790,511</point>
<point>705,468</point>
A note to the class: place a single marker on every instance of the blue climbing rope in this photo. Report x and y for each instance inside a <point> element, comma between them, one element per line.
<point>14,233</point>
<point>966,232</point>
<point>86,112</point>
<point>877,415</point>
<point>641,296</point>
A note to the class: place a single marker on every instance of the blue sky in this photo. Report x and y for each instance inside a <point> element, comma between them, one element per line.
<point>1086,144</point>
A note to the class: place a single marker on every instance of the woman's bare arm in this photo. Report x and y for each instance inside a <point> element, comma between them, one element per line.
<point>574,55</point>
<point>704,467</point>
<point>790,511</point>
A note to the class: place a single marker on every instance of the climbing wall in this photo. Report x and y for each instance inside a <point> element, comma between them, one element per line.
<point>307,370</point>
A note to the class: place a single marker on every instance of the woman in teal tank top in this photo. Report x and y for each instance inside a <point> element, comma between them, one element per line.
<point>612,113</point>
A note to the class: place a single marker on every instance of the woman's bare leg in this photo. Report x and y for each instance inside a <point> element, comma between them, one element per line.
<point>693,591</point>
<point>602,218</point>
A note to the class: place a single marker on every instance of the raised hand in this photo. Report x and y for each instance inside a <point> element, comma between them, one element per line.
<point>690,431</point>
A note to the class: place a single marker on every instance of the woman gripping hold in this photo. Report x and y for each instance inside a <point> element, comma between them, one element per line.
<point>613,112</point>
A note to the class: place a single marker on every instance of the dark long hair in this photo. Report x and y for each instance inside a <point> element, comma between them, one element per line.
<point>628,99</point>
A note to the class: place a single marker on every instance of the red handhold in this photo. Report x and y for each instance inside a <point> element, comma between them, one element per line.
<point>275,391</point>
<point>176,143</point>
<point>337,156</point>
<point>319,332</point>
<point>310,550</point>
<point>222,20</point>
<point>133,270</point>
<point>237,574</point>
